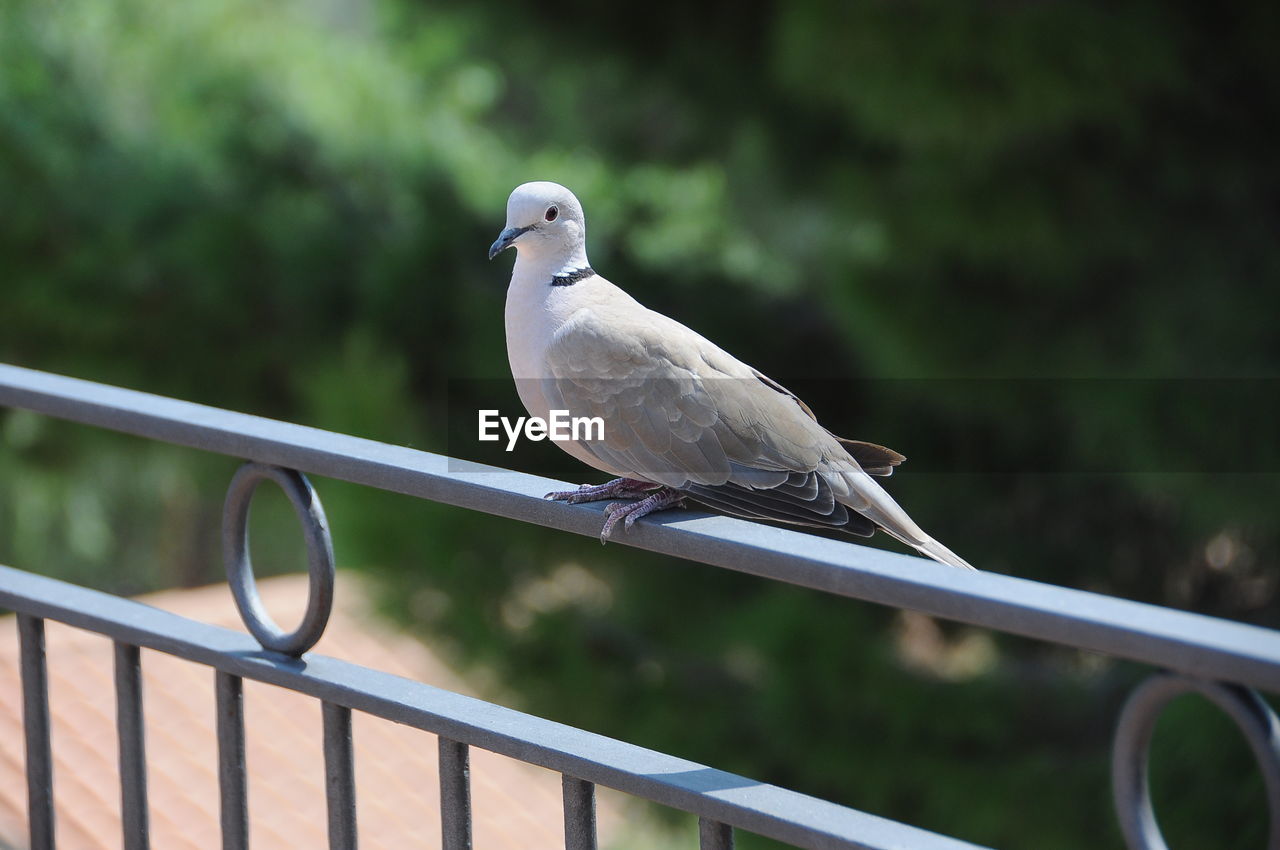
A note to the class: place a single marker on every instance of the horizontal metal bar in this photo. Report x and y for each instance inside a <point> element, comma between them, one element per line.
<point>1176,640</point>
<point>35,722</point>
<point>774,812</point>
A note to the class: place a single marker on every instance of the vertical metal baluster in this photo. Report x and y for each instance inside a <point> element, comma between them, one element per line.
<point>133,757</point>
<point>35,720</point>
<point>713,835</point>
<point>231,761</point>
<point>579,814</point>
<point>455,795</point>
<point>339,776</point>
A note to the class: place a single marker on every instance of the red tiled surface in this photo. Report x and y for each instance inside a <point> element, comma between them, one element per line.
<point>515,805</point>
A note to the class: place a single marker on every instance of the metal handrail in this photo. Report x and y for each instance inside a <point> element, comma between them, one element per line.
<point>1196,648</point>
<point>1177,640</point>
<point>785,815</point>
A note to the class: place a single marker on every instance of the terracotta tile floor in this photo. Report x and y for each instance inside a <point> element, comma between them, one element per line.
<point>515,805</point>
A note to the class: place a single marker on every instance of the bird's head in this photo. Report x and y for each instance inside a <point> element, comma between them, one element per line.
<point>542,218</point>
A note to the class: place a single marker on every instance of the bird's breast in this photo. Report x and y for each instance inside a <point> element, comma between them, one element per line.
<point>533,315</point>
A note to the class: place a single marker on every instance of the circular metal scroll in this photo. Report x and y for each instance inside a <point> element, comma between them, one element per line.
<point>1132,748</point>
<point>235,554</point>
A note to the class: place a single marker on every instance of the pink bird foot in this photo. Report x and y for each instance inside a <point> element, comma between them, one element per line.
<point>618,488</point>
<point>629,512</point>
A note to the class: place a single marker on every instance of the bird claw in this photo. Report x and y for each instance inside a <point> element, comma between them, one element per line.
<point>651,498</point>
<point>625,488</point>
<point>613,512</point>
<point>628,512</point>
<point>571,497</point>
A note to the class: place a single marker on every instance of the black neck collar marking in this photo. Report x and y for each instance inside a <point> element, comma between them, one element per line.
<point>570,278</point>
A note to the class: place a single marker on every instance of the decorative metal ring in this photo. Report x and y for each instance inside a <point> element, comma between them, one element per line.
<point>235,554</point>
<point>1131,750</point>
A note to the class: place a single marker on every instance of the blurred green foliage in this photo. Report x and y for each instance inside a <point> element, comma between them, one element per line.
<point>284,209</point>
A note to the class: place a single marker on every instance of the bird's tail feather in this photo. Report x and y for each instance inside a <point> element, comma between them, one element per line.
<point>880,508</point>
<point>931,548</point>
<point>942,554</point>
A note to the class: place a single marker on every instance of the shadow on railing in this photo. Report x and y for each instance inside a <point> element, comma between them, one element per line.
<point>1220,659</point>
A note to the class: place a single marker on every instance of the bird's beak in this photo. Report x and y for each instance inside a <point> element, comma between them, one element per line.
<point>506,239</point>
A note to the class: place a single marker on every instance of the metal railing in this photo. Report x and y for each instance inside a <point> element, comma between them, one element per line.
<point>1220,659</point>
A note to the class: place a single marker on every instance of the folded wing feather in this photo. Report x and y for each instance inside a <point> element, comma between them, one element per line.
<point>681,412</point>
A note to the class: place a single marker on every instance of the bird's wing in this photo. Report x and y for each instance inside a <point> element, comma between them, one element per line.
<point>679,411</point>
<point>874,459</point>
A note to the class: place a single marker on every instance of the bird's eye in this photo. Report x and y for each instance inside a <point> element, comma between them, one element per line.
<point>551,213</point>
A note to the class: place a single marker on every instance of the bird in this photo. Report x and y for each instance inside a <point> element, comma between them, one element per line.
<point>684,420</point>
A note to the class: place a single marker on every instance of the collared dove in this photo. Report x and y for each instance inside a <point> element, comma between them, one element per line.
<point>682,417</point>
